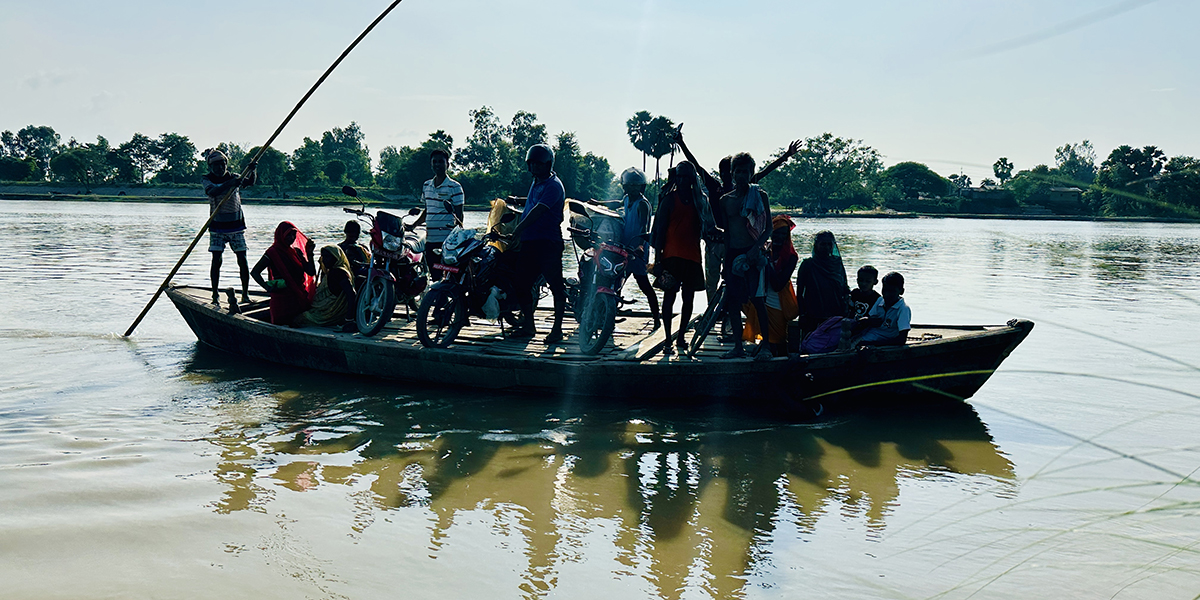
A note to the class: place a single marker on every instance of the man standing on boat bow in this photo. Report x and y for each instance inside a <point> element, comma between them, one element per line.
<point>229,225</point>
<point>540,232</point>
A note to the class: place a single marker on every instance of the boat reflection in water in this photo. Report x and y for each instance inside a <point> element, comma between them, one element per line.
<point>677,493</point>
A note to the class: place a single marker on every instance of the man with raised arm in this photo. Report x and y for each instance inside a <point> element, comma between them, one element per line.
<point>229,226</point>
<point>747,214</point>
<point>443,207</point>
<point>714,247</point>
<point>540,232</point>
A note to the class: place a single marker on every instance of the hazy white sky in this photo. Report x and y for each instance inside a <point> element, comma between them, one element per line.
<point>952,83</point>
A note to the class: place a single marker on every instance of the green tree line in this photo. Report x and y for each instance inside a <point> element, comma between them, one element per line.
<point>490,163</point>
<point>829,172</point>
<point>833,173</point>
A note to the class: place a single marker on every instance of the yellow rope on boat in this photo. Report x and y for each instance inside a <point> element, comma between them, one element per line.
<point>903,380</point>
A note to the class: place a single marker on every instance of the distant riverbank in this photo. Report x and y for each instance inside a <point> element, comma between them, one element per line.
<point>188,194</point>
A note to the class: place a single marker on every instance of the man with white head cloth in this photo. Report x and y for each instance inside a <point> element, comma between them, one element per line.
<point>229,225</point>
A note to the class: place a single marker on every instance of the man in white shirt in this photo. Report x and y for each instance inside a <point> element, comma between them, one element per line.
<point>442,195</point>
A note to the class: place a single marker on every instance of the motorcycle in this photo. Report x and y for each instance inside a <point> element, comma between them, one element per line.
<point>397,271</point>
<point>603,269</point>
<point>477,280</point>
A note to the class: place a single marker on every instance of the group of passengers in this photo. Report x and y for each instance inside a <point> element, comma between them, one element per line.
<point>706,232</point>
<point>298,296</point>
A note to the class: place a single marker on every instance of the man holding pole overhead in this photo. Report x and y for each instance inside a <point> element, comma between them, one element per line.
<point>229,224</point>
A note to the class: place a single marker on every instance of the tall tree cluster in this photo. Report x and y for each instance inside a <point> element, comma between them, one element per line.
<point>491,161</point>
<point>652,136</point>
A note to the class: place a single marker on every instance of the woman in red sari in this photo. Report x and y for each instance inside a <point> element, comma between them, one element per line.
<point>289,263</point>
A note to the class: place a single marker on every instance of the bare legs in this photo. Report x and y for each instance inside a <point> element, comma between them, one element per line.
<point>643,282</point>
<point>685,315</point>
<point>214,273</point>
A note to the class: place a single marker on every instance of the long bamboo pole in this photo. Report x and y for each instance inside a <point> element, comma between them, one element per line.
<point>246,171</point>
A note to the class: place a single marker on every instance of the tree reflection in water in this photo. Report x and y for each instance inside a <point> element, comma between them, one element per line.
<point>689,496</point>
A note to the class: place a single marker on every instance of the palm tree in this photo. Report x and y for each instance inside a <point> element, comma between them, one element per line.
<point>662,140</point>
<point>638,127</point>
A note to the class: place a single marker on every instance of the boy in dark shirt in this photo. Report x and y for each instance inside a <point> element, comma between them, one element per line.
<point>864,296</point>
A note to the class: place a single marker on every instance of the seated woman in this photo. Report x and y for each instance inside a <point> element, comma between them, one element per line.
<point>289,264</point>
<point>780,296</point>
<point>821,287</point>
<point>335,302</point>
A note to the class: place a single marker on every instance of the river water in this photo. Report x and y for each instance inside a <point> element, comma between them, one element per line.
<point>154,467</point>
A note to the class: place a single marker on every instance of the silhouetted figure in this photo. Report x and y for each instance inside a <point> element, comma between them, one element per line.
<point>714,244</point>
<point>821,286</point>
<point>635,208</point>
<point>540,232</point>
<point>683,216</point>
<point>780,297</point>
<point>864,296</point>
<point>747,216</point>
<point>357,254</point>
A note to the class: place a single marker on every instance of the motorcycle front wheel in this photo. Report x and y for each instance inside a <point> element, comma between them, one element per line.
<point>376,303</point>
<point>598,318</point>
<point>442,314</point>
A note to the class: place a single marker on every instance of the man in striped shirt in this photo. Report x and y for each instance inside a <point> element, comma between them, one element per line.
<point>439,193</point>
<point>229,224</point>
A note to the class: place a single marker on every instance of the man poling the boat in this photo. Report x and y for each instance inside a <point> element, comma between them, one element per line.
<point>228,223</point>
<point>167,281</point>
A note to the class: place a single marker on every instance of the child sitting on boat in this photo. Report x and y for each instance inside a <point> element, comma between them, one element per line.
<point>864,296</point>
<point>889,320</point>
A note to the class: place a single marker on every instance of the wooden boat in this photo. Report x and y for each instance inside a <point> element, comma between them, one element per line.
<point>939,362</point>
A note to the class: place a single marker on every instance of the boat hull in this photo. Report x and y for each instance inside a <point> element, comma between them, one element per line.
<point>946,368</point>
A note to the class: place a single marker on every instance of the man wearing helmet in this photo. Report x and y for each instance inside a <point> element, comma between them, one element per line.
<point>637,232</point>
<point>540,232</point>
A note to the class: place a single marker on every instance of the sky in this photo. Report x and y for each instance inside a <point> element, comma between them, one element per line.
<point>951,83</point>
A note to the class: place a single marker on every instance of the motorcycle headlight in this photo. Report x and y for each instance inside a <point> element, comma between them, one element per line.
<point>391,243</point>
